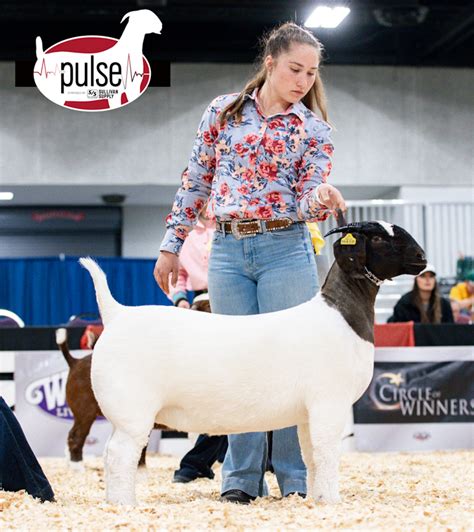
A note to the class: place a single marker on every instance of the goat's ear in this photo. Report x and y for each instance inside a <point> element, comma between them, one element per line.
<point>349,252</point>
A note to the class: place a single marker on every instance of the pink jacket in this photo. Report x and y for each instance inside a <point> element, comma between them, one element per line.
<point>193,262</point>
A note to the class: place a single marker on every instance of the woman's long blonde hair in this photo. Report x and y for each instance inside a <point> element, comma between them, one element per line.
<point>276,42</point>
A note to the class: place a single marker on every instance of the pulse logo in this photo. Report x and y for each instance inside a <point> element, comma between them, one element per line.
<point>96,73</point>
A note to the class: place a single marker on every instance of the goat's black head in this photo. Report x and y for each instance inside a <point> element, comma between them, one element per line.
<point>384,249</point>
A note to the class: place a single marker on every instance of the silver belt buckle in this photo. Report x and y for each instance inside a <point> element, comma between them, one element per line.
<point>235,230</point>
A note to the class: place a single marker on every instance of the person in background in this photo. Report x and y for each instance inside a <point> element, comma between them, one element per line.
<point>462,295</point>
<point>193,263</point>
<point>423,304</point>
<point>460,317</point>
<point>263,157</point>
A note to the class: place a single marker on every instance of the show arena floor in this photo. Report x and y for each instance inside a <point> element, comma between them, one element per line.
<point>389,491</point>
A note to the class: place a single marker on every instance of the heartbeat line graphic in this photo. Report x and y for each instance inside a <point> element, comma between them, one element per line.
<point>47,72</point>
<point>128,72</point>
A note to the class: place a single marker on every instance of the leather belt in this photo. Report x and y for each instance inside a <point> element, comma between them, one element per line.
<point>246,228</point>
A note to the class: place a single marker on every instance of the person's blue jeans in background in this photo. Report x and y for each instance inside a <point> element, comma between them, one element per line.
<point>265,273</point>
<point>199,460</point>
<point>19,468</point>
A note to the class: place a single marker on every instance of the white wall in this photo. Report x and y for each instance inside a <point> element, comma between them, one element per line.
<point>395,126</point>
<point>446,194</point>
<point>143,230</point>
<point>400,132</point>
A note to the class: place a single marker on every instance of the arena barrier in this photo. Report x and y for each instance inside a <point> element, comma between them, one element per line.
<point>420,399</point>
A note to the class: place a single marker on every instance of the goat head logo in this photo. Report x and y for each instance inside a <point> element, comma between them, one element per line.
<point>97,73</point>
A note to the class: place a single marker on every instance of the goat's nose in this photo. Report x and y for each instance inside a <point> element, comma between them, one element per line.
<point>421,255</point>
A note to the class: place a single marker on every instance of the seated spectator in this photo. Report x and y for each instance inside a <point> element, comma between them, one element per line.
<point>463,295</point>
<point>459,316</point>
<point>423,304</point>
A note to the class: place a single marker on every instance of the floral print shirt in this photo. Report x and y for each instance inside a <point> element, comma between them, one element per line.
<point>262,167</point>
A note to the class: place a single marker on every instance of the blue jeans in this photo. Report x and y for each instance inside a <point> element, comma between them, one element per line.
<point>199,460</point>
<point>265,273</point>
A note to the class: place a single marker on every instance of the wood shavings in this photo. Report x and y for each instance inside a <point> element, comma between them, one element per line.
<point>386,491</point>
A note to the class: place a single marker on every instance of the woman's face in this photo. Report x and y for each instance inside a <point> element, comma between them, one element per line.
<point>292,74</point>
<point>426,281</point>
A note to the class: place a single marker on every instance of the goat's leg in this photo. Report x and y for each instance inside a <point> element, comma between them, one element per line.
<point>306,447</point>
<point>123,451</point>
<point>105,456</point>
<point>326,425</point>
<point>77,437</point>
<point>142,471</point>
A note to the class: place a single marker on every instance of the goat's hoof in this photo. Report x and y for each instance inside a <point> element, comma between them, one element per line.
<point>142,475</point>
<point>327,498</point>
<point>76,466</point>
<point>120,500</point>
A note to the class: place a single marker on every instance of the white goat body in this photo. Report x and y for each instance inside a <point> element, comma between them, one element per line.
<point>220,374</point>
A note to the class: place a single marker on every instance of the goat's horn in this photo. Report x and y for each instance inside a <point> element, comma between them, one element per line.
<point>345,228</point>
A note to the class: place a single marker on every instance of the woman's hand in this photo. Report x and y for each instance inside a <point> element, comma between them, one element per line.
<point>330,197</point>
<point>167,263</point>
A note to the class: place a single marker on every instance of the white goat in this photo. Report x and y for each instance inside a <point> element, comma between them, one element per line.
<point>127,51</point>
<point>218,374</point>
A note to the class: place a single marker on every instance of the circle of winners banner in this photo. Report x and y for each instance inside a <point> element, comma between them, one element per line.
<point>420,398</point>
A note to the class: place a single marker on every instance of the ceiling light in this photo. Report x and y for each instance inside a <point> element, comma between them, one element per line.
<point>327,17</point>
<point>6,196</point>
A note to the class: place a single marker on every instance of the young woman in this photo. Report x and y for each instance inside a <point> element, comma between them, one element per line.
<point>423,304</point>
<point>263,157</point>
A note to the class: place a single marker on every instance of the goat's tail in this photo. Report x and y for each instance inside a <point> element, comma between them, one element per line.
<point>61,340</point>
<point>39,48</point>
<point>108,306</point>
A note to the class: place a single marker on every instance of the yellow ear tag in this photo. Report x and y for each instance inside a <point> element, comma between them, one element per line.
<point>348,240</point>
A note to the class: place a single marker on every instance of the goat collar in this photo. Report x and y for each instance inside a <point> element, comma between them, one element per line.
<point>372,278</point>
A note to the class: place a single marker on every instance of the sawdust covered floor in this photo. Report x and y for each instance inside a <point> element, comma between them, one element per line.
<point>392,491</point>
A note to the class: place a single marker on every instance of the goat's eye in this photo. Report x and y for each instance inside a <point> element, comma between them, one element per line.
<point>377,239</point>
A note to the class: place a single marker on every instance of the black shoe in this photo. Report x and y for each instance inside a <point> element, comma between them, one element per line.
<point>237,496</point>
<point>182,479</point>
<point>302,495</point>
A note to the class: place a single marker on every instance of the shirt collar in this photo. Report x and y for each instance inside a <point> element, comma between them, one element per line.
<point>296,108</point>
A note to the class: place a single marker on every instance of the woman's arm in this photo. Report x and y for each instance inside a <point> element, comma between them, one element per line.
<point>196,183</point>
<point>190,198</point>
<point>313,193</point>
